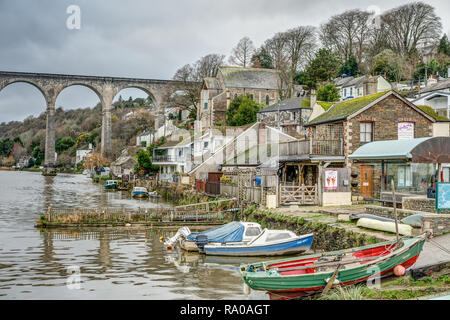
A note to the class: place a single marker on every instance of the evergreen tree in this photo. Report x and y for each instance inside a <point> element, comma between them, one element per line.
<point>323,68</point>
<point>350,67</point>
<point>444,45</point>
<point>328,93</point>
<point>242,111</point>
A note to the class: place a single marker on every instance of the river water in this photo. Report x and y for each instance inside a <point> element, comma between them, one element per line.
<point>97,264</point>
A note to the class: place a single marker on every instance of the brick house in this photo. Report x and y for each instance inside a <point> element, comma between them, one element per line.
<point>377,117</point>
<point>263,86</point>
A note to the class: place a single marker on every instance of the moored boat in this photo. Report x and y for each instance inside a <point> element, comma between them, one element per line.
<point>153,194</point>
<point>235,231</point>
<point>312,273</point>
<point>268,243</point>
<point>139,192</point>
<point>110,184</point>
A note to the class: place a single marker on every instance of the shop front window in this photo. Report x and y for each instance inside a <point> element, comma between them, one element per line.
<point>414,178</point>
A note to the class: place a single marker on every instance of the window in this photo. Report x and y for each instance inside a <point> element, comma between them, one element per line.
<point>345,92</point>
<point>252,231</point>
<point>251,96</point>
<point>404,176</point>
<point>351,91</point>
<point>205,105</point>
<point>267,100</point>
<point>365,131</point>
<point>205,144</point>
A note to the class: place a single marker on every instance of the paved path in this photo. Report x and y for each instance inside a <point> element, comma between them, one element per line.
<point>432,254</point>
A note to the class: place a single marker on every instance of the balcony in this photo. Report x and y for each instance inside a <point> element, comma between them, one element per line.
<point>312,147</point>
<point>169,158</point>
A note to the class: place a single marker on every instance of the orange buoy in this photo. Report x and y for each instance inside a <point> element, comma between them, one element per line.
<point>169,246</point>
<point>399,270</point>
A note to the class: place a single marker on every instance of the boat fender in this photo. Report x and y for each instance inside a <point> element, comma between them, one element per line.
<point>399,270</point>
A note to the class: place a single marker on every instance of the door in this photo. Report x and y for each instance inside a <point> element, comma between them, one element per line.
<point>367,181</point>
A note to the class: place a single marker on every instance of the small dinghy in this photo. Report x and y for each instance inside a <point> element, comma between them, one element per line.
<point>312,273</point>
<point>268,243</point>
<point>139,192</point>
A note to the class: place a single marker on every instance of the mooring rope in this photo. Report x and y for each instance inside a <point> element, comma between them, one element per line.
<point>439,246</point>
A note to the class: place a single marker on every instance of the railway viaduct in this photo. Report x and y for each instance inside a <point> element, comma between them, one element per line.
<point>106,88</point>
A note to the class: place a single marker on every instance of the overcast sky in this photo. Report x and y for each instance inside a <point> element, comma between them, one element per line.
<point>142,38</point>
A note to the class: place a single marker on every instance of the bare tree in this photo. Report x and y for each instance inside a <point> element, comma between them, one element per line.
<point>276,48</point>
<point>300,44</point>
<point>186,91</point>
<point>242,53</point>
<point>346,34</point>
<point>411,26</point>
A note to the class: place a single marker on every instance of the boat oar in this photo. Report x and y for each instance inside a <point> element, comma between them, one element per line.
<point>331,280</point>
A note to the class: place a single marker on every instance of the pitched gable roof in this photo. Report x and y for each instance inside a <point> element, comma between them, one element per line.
<point>255,78</point>
<point>441,85</point>
<point>351,108</point>
<point>289,104</point>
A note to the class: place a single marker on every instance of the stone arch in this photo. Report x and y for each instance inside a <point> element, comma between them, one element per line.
<point>95,89</point>
<point>140,87</point>
<point>34,84</point>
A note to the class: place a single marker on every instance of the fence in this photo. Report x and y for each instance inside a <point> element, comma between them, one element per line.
<point>121,216</point>
<point>298,194</point>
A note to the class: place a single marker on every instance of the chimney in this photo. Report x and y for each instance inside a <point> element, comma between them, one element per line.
<point>313,98</point>
<point>370,86</point>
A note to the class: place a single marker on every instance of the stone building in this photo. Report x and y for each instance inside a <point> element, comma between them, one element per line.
<point>378,117</point>
<point>263,86</point>
<point>288,115</point>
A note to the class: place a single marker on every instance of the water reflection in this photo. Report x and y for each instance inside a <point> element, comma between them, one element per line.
<point>114,263</point>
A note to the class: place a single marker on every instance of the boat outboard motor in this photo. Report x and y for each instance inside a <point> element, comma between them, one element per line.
<point>200,241</point>
<point>183,232</point>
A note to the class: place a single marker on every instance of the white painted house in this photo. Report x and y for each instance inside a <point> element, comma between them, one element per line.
<point>351,87</point>
<point>81,153</point>
<point>173,157</point>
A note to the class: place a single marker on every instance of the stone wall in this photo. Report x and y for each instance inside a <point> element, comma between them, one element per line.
<point>421,204</point>
<point>437,224</point>
<point>388,212</point>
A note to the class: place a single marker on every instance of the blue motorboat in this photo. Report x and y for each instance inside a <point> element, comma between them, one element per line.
<point>232,232</point>
<point>268,243</point>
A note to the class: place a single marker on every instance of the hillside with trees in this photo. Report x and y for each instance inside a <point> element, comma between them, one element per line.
<point>75,129</point>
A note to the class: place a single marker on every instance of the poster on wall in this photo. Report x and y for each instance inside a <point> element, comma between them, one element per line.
<point>405,130</point>
<point>331,180</point>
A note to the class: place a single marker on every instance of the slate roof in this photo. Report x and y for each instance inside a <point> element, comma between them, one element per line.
<point>349,81</point>
<point>255,78</point>
<point>290,104</point>
<point>212,83</point>
<point>441,85</point>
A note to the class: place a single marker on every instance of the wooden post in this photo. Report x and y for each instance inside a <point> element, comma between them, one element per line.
<point>395,207</point>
